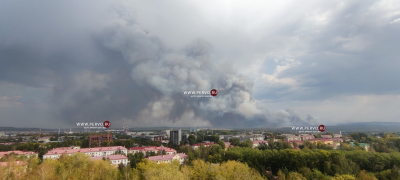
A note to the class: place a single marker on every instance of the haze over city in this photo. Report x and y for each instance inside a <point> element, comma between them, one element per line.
<point>273,63</point>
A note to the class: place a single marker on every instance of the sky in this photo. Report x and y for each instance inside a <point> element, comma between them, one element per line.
<point>274,63</point>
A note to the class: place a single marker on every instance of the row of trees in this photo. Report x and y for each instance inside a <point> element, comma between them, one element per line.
<point>327,163</point>
<point>79,166</point>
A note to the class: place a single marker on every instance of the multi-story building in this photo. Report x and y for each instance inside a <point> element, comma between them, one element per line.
<point>19,153</point>
<point>290,137</point>
<point>307,137</point>
<point>327,136</point>
<point>143,133</point>
<point>253,137</point>
<point>337,136</point>
<point>155,149</point>
<point>92,152</point>
<point>164,133</point>
<point>44,139</point>
<point>327,141</point>
<point>176,136</point>
<point>114,159</point>
<point>154,137</point>
<point>169,158</point>
<point>99,139</point>
<point>184,137</point>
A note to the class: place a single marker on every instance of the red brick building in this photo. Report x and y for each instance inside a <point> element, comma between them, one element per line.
<point>99,139</point>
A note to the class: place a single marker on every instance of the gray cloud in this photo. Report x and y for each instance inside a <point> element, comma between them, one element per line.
<point>115,61</point>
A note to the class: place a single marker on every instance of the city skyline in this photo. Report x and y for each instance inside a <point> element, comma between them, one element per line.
<point>273,63</point>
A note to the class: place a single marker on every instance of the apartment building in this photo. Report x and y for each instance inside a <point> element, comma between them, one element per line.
<point>327,141</point>
<point>154,137</point>
<point>291,137</point>
<point>253,137</point>
<point>176,136</point>
<point>99,138</point>
<point>326,136</point>
<point>169,158</point>
<point>92,152</point>
<point>114,159</point>
<point>306,137</point>
<point>337,136</point>
<point>154,149</point>
<point>45,139</point>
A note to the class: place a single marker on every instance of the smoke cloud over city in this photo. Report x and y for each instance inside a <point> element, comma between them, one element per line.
<point>272,63</point>
<point>148,87</point>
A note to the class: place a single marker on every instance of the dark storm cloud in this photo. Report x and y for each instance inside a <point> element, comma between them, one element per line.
<point>97,62</point>
<point>353,50</point>
<point>149,73</point>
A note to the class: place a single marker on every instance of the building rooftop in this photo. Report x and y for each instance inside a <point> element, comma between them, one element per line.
<point>153,148</point>
<point>69,150</point>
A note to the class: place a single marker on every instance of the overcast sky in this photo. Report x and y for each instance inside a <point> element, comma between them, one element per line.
<point>273,63</point>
